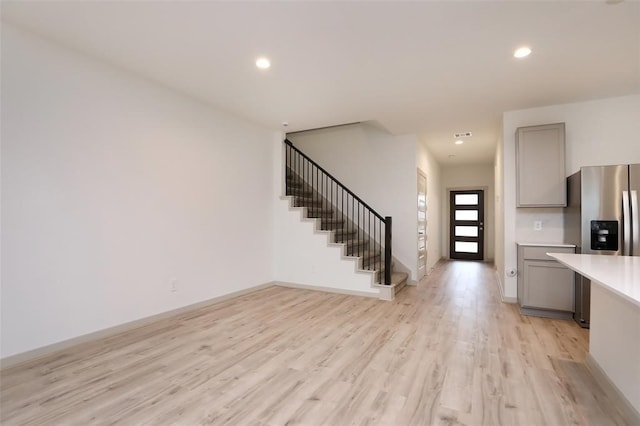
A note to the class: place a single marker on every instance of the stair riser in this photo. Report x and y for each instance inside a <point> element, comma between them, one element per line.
<point>291,183</point>
<point>300,189</point>
<point>335,223</point>
<point>320,215</point>
<point>305,202</point>
<point>353,250</point>
<point>297,192</point>
<point>331,226</point>
<point>344,235</point>
<point>354,253</point>
<point>369,261</point>
<point>371,264</point>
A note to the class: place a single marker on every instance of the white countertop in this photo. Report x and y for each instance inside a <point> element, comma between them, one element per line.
<point>619,274</point>
<point>546,245</point>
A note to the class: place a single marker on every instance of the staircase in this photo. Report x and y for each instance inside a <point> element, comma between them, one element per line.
<point>364,233</point>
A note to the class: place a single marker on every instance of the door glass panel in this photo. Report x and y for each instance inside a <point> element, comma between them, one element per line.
<point>466,214</point>
<point>466,247</point>
<point>466,199</point>
<point>466,231</point>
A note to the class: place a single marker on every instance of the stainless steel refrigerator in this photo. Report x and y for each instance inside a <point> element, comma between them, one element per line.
<point>601,218</point>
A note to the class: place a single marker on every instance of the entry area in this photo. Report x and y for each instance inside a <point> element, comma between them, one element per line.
<point>466,235</point>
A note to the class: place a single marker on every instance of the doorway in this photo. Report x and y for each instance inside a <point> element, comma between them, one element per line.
<point>466,225</point>
<point>422,224</point>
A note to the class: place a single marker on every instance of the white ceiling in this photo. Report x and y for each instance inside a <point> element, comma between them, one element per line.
<point>429,68</point>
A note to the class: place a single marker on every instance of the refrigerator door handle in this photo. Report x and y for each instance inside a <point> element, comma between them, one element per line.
<point>626,224</point>
<point>635,225</point>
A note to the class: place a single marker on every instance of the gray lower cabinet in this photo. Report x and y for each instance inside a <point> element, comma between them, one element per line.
<point>545,287</point>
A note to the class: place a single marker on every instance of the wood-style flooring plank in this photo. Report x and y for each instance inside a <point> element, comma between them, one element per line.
<point>446,352</point>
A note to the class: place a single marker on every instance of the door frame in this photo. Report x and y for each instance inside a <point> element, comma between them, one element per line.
<point>447,217</point>
<point>422,174</point>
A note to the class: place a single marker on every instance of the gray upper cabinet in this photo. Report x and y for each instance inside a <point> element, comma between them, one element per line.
<point>541,180</point>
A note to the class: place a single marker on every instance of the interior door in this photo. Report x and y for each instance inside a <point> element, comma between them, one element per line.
<point>422,224</point>
<point>466,235</point>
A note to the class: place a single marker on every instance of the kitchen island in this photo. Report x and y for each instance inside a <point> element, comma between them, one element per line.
<point>614,337</point>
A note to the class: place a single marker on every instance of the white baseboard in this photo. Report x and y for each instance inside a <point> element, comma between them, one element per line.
<point>325,289</point>
<point>625,408</point>
<point>33,354</point>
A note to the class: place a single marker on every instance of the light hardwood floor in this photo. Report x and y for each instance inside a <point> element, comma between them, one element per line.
<point>446,352</point>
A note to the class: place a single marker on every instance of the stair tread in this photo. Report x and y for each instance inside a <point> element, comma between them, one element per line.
<point>381,270</point>
<point>393,264</point>
<point>398,277</point>
<point>366,254</point>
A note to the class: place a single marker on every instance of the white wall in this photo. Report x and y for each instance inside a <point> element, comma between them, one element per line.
<point>429,166</point>
<point>380,168</point>
<point>498,169</point>
<point>478,176</point>
<point>112,188</point>
<point>598,132</point>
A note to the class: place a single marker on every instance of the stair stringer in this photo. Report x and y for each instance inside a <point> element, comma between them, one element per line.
<point>308,256</point>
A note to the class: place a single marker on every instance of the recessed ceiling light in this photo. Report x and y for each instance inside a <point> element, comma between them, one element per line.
<point>522,52</point>
<point>459,142</point>
<point>263,63</point>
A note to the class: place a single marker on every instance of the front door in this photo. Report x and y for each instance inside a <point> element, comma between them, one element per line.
<point>466,239</point>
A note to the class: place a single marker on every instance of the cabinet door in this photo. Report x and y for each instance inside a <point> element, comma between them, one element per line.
<point>541,180</point>
<point>548,285</point>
